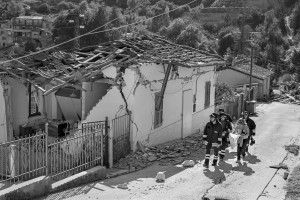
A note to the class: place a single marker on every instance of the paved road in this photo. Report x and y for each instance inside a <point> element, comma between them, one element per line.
<point>277,125</point>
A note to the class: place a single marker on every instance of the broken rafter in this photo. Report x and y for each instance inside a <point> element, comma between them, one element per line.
<point>25,79</point>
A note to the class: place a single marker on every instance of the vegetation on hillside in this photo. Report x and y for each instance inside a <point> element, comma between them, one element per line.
<point>276,42</point>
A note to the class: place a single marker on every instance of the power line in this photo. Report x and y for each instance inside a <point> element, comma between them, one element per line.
<point>92,32</point>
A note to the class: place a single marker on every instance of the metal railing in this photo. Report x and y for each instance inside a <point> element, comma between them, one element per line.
<point>33,156</point>
<point>23,158</point>
<point>121,136</point>
<point>81,150</point>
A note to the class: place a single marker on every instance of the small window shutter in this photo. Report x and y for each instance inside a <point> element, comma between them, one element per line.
<point>207,94</point>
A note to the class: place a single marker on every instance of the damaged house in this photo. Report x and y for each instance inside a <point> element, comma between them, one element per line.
<point>167,88</point>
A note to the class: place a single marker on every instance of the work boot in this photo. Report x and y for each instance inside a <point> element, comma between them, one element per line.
<point>214,162</point>
<point>244,155</point>
<point>206,162</point>
<point>238,160</point>
<point>221,157</point>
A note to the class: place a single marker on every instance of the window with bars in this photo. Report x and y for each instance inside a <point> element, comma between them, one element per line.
<point>33,104</point>
<point>207,94</point>
<point>158,116</point>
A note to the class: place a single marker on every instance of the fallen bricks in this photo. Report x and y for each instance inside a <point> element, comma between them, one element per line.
<point>173,152</point>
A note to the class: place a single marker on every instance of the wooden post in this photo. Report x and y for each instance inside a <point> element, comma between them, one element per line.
<point>250,85</point>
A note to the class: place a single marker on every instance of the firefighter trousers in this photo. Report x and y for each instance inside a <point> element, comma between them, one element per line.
<point>241,150</point>
<point>223,147</point>
<point>208,148</point>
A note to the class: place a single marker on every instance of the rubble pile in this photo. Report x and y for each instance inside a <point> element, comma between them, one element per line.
<point>173,152</point>
<point>290,93</point>
<point>294,149</point>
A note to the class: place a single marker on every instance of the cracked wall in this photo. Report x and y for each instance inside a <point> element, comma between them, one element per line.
<point>141,83</point>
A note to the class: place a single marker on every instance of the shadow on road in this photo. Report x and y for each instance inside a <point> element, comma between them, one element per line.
<point>216,176</point>
<point>243,167</point>
<point>145,174</point>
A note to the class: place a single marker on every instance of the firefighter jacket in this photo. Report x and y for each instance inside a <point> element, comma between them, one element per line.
<point>252,126</point>
<point>213,133</point>
<point>226,128</point>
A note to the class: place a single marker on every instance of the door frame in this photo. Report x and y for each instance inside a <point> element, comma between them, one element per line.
<point>182,109</point>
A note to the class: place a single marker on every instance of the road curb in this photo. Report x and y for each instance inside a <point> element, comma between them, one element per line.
<point>88,176</point>
<point>27,190</point>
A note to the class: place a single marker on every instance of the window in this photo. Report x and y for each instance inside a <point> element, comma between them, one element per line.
<point>194,103</point>
<point>207,94</point>
<point>158,116</point>
<point>33,104</point>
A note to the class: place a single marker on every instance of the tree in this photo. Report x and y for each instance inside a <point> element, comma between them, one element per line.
<point>14,10</point>
<point>95,16</point>
<point>161,20</point>
<point>295,18</point>
<point>290,3</point>
<point>227,41</point>
<point>223,93</point>
<point>132,4</point>
<point>208,3</point>
<point>63,6</point>
<point>29,46</point>
<point>116,21</point>
<point>83,6</point>
<point>44,9</point>
<point>174,29</point>
<point>189,37</point>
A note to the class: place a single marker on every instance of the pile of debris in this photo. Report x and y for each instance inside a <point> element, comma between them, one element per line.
<point>174,152</point>
<point>293,148</point>
<point>290,93</point>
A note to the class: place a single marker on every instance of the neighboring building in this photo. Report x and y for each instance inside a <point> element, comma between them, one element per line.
<point>257,4</point>
<point>116,76</point>
<point>238,75</point>
<point>6,34</point>
<point>217,15</point>
<point>31,28</point>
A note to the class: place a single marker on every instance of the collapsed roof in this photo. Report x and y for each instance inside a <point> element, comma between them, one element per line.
<point>61,69</point>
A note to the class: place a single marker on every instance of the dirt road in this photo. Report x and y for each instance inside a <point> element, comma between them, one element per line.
<point>277,125</point>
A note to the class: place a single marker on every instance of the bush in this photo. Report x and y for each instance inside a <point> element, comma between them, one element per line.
<point>223,93</point>
<point>44,9</point>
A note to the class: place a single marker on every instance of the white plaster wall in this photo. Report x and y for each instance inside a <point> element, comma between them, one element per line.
<point>95,91</point>
<point>20,101</point>
<point>144,106</point>
<point>234,78</point>
<point>141,102</point>
<point>71,107</point>
<point>110,104</point>
<point>201,116</point>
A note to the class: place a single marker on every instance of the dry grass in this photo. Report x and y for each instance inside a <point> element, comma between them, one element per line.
<point>293,185</point>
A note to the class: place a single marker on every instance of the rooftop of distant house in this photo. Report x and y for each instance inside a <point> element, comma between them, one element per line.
<point>29,17</point>
<point>61,66</point>
<point>244,66</point>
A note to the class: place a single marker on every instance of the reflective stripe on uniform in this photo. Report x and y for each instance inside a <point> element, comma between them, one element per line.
<point>204,136</point>
<point>220,139</point>
<point>216,158</point>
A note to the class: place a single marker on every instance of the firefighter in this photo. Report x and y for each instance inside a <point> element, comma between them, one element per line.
<point>222,111</point>
<point>226,129</point>
<point>252,126</point>
<point>212,138</point>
